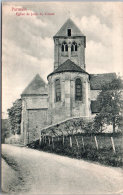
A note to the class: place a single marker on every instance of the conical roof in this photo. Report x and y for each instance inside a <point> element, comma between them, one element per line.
<point>69,24</point>
<point>36,87</point>
<point>68,66</point>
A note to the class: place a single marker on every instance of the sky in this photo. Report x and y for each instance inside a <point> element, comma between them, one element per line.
<point>28,47</point>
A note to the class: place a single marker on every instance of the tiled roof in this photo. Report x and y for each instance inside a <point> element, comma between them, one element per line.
<point>69,24</point>
<point>68,66</point>
<point>98,80</point>
<point>36,87</point>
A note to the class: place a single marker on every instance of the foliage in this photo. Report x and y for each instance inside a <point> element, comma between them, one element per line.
<point>14,114</point>
<point>5,133</point>
<point>104,154</point>
<point>70,127</point>
<point>99,122</point>
<point>15,139</point>
<point>110,105</point>
<point>89,127</point>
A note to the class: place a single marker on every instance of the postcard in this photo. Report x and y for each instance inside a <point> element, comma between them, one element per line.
<point>62,98</point>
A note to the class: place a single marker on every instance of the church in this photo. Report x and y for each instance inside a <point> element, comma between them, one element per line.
<point>70,92</point>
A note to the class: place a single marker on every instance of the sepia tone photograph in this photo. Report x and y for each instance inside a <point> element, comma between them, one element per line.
<point>62,98</point>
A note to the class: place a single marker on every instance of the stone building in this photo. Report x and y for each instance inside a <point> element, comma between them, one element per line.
<point>70,92</point>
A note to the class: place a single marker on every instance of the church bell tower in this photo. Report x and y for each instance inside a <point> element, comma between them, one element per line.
<point>69,43</point>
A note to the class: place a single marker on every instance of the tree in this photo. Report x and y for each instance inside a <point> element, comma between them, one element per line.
<point>5,132</point>
<point>14,114</point>
<point>110,104</point>
<point>99,122</point>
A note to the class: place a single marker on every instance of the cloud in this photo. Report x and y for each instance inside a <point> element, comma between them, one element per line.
<point>15,12</point>
<point>18,70</point>
<point>98,57</point>
<point>21,29</point>
<point>94,30</point>
<point>104,48</point>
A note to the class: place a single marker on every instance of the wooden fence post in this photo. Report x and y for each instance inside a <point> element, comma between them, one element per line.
<point>49,141</point>
<point>77,142</point>
<point>113,146</point>
<point>70,142</point>
<point>96,142</point>
<point>52,142</point>
<point>63,140</point>
<point>83,143</point>
<point>45,140</point>
<point>40,140</point>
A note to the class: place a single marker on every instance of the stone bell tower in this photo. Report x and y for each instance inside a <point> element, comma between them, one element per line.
<point>69,43</point>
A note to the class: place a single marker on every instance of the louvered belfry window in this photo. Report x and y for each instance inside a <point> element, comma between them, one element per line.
<point>74,46</point>
<point>78,90</point>
<point>58,90</point>
<point>64,46</point>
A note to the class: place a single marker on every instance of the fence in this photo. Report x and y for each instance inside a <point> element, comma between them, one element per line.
<point>79,141</point>
<point>103,148</point>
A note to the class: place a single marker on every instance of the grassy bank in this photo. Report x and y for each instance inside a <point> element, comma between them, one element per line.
<point>83,146</point>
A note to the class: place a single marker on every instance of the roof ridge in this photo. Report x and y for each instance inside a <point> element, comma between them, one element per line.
<point>103,73</point>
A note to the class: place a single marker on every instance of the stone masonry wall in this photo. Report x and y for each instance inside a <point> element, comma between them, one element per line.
<point>68,107</point>
<point>37,120</point>
<point>34,116</point>
<point>77,57</point>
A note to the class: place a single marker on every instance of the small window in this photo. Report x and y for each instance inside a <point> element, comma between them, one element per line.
<point>75,47</point>
<point>69,32</point>
<point>58,90</point>
<point>78,90</point>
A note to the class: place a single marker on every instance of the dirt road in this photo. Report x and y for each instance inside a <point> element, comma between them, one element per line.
<point>36,172</point>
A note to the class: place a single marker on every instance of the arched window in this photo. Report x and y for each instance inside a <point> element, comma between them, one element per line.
<point>57,90</point>
<point>74,46</point>
<point>78,90</point>
<point>64,46</point>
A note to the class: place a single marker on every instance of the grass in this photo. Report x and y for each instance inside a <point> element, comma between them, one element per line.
<point>104,154</point>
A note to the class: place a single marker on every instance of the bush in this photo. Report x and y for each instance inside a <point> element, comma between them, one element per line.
<point>14,139</point>
<point>103,155</point>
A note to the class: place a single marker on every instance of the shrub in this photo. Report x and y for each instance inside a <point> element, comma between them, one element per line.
<point>104,154</point>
